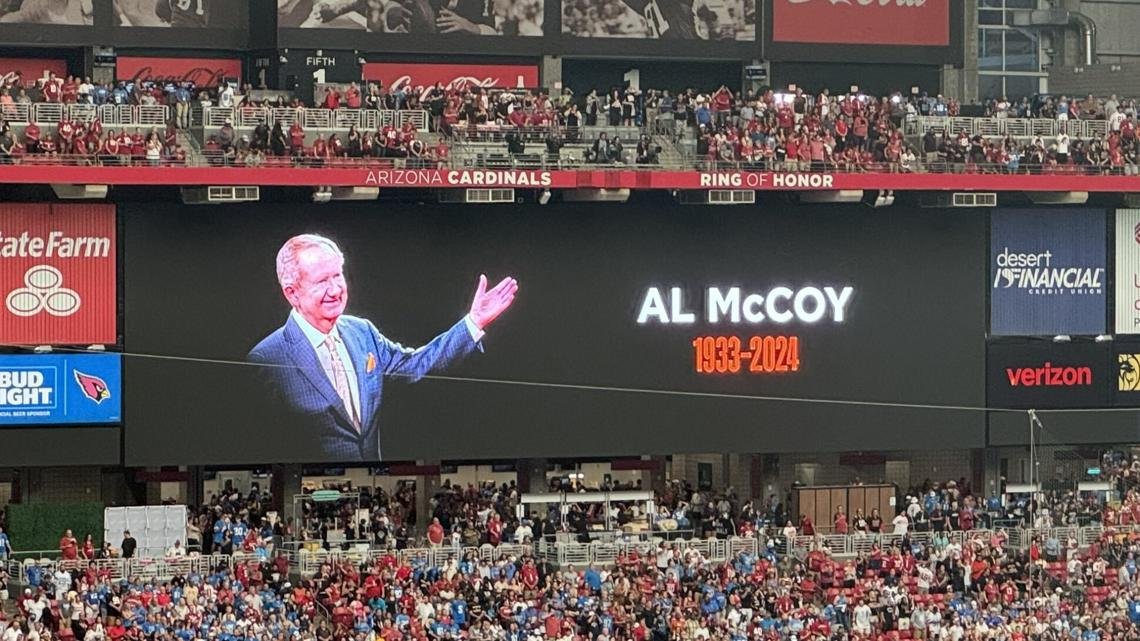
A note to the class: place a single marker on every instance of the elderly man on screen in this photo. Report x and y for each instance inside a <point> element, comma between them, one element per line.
<point>408,16</point>
<point>329,367</point>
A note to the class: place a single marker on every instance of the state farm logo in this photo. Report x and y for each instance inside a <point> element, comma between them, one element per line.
<point>43,292</point>
<point>867,3</point>
<point>1049,375</point>
<point>1037,274</point>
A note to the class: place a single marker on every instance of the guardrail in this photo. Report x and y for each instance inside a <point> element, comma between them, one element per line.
<point>50,113</point>
<point>308,562</point>
<point>247,117</point>
<point>1016,127</point>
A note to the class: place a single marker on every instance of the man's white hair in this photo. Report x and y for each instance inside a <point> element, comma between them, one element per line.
<point>288,259</point>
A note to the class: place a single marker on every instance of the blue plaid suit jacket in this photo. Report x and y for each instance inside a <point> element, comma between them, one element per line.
<point>299,384</point>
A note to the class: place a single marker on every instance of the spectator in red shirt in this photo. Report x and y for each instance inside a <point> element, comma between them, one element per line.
<point>52,88</point>
<point>32,138</point>
<point>65,133</point>
<point>68,547</point>
<point>352,97</point>
<point>332,99</point>
<point>296,139</point>
<point>722,105</point>
<point>435,533</point>
<point>109,152</point>
<point>69,93</point>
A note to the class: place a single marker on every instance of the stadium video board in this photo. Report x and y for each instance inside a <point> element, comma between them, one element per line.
<point>634,328</point>
<point>886,31</point>
<point>468,17</point>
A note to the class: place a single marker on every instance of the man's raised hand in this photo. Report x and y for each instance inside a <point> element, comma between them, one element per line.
<point>489,303</point>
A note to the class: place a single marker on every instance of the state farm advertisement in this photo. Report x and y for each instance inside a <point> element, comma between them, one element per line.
<point>203,72</point>
<point>29,69</point>
<point>396,75</point>
<point>862,22</point>
<point>1041,375</point>
<point>57,274</point>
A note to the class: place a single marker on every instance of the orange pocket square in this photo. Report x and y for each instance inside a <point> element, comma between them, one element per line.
<point>371,364</point>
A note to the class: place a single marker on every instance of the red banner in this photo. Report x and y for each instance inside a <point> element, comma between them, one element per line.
<point>30,69</point>
<point>57,274</point>
<point>203,72</point>
<point>862,22</point>
<point>451,76</point>
<point>381,174</point>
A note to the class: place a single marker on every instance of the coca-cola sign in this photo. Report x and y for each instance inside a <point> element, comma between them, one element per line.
<point>395,75</point>
<point>863,22</point>
<point>29,69</point>
<point>203,72</point>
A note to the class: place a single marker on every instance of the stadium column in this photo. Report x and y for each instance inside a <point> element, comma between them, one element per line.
<point>552,73</point>
<point>962,82</point>
<point>284,485</point>
<point>426,487</point>
<point>532,475</point>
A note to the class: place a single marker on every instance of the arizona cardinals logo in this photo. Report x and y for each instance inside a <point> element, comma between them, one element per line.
<point>93,387</point>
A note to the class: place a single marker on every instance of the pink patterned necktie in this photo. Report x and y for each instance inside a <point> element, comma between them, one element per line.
<point>340,380</point>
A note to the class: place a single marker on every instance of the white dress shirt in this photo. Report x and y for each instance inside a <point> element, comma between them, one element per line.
<point>316,339</point>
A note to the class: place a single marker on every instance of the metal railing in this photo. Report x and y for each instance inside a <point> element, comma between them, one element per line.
<point>50,113</point>
<point>247,117</point>
<point>1000,127</point>
<point>308,562</point>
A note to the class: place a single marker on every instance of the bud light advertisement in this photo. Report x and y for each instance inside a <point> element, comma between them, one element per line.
<point>60,389</point>
<point>1047,272</point>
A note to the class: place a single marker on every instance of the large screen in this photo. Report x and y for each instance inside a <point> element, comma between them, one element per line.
<point>666,19</point>
<point>471,17</point>
<point>53,12</point>
<point>180,14</point>
<point>364,332</point>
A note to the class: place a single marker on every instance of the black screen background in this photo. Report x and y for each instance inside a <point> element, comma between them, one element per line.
<point>199,282</point>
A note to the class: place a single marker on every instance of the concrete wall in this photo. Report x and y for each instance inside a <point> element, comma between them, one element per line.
<point>1117,22</point>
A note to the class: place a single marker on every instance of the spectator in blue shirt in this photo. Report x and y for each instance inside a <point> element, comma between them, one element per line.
<point>593,578</point>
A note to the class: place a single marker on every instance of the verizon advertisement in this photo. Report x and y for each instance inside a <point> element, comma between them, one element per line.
<point>57,274</point>
<point>1044,374</point>
<point>203,72</point>
<point>395,75</point>
<point>26,70</point>
<point>1127,271</point>
<point>862,22</point>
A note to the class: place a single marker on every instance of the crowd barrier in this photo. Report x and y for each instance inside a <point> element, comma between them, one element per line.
<point>307,562</point>
<point>1015,127</point>
<point>363,119</point>
<point>50,113</point>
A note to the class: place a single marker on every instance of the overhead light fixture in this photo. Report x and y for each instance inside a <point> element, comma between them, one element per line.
<point>96,348</point>
<point>544,197</point>
<point>1062,338</point>
<point>42,349</point>
<point>1104,338</point>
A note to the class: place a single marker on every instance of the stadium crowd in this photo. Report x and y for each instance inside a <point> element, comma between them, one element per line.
<point>981,589</point>
<point>974,587</point>
<point>788,131</point>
